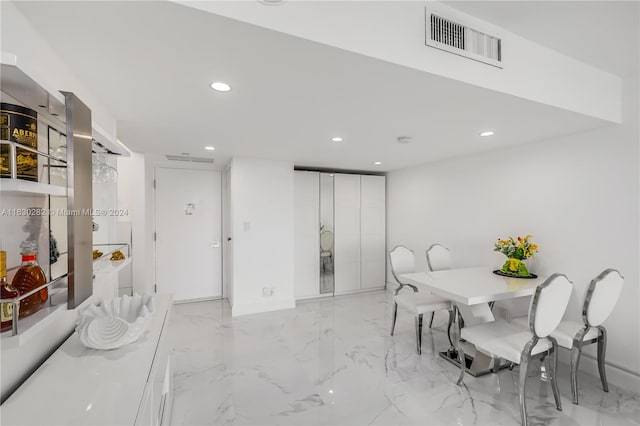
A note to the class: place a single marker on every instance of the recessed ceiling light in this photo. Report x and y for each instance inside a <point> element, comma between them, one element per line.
<point>220,86</point>
<point>210,148</point>
<point>271,2</point>
<point>377,163</point>
<point>336,139</point>
<point>488,133</point>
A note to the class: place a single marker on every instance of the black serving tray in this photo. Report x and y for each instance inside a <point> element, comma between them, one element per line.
<point>504,274</point>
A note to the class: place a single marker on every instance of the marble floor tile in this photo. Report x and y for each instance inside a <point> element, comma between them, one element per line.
<point>331,361</point>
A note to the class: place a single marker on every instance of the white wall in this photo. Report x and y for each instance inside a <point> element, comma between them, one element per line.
<point>262,206</point>
<point>578,196</point>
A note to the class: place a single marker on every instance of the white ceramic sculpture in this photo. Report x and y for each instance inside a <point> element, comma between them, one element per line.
<point>115,322</point>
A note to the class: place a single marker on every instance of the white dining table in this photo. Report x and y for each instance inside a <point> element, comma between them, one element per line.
<point>471,290</point>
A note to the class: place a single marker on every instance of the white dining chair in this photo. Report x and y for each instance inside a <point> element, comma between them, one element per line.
<point>438,259</point>
<point>602,296</point>
<point>518,345</point>
<point>326,249</point>
<point>402,261</point>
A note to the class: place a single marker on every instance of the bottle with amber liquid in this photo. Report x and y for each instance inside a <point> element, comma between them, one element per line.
<point>7,292</point>
<point>30,276</point>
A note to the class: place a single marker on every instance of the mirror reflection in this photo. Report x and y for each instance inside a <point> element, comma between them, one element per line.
<point>57,219</point>
<point>326,233</point>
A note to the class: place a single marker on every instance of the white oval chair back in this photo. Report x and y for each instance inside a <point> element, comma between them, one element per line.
<point>602,296</point>
<point>438,257</point>
<point>326,240</point>
<point>402,261</point>
<point>549,304</point>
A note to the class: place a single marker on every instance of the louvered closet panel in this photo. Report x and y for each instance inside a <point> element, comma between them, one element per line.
<point>347,235</point>
<point>372,231</point>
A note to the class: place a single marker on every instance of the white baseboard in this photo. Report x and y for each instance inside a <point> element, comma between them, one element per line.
<point>360,290</point>
<point>615,375</point>
<point>202,299</point>
<point>315,296</point>
<point>239,309</point>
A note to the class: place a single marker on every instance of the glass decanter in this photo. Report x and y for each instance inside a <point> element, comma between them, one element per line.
<point>30,276</point>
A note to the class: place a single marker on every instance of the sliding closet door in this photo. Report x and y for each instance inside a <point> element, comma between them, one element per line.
<point>372,229</point>
<point>347,236</point>
<point>307,234</point>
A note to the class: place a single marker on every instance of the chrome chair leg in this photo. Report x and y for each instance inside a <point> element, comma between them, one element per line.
<point>419,333</point>
<point>451,316</point>
<point>393,318</point>
<point>462,362</point>
<point>431,322</point>
<point>553,367</point>
<point>524,363</point>
<point>575,360</point>
<point>576,351</point>
<point>525,357</point>
<point>602,350</point>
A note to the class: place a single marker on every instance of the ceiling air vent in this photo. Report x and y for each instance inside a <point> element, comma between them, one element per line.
<point>453,37</point>
<point>189,159</point>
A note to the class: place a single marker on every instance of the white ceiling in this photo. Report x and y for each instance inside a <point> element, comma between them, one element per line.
<point>151,64</point>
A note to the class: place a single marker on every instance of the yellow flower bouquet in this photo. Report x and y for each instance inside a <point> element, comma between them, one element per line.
<point>516,251</point>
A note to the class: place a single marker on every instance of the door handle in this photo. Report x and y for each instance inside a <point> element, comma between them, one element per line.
<point>215,244</point>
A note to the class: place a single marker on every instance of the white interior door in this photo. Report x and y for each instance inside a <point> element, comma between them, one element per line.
<point>188,240</point>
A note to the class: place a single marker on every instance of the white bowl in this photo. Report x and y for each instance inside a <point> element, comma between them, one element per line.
<point>116,322</point>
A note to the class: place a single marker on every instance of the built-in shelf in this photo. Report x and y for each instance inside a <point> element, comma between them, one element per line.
<point>20,186</point>
<point>106,266</point>
<point>31,325</point>
<point>49,104</point>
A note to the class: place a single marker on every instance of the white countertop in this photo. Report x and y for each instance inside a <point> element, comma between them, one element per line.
<point>82,386</point>
<point>472,286</point>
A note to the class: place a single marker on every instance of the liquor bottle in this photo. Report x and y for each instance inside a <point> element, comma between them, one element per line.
<point>20,125</point>
<point>7,292</point>
<point>29,276</point>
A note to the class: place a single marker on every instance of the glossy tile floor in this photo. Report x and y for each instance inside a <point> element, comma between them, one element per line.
<point>332,362</point>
